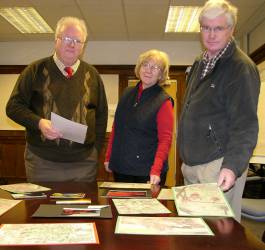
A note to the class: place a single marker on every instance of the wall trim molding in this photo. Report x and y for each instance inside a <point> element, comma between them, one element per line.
<point>103,69</point>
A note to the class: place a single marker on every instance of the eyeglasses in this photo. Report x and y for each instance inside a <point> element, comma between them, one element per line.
<point>68,40</point>
<point>153,68</point>
<point>217,29</point>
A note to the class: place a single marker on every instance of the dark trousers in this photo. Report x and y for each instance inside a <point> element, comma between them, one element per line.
<point>137,179</point>
<point>41,170</point>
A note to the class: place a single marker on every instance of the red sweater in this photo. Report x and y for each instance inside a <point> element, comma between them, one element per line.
<point>165,123</point>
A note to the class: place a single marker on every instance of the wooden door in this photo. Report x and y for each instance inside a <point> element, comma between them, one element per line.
<point>171,89</point>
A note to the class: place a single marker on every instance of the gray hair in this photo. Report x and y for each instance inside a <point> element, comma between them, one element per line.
<point>215,8</point>
<point>160,57</point>
<point>70,21</point>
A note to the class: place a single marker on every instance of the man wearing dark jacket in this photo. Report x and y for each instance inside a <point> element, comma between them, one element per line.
<point>71,88</point>
<point>218,126</point>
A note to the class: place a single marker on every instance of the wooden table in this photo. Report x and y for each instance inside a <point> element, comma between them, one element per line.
<point>229,234</point>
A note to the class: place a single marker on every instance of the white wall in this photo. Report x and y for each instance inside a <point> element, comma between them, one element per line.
<point>251,35</point>
<point>257,37</point>
<point>7,83</point>
<point>260,147</point>
<point>100,53</point>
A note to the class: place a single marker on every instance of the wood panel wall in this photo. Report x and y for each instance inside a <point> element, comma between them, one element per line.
<point>12,145</point>
<point>12,167</point>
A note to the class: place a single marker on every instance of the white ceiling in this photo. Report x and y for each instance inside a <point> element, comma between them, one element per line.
<point>116,20</point>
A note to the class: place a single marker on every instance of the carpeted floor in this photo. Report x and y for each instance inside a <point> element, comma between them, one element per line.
<point>256,227</point>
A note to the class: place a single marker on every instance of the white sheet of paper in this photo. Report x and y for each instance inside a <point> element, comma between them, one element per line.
<point>72,131</point>
<point>161,226</point>
<point>48,234</point>
<point>140,206</point>
<point>203,199</point>
<point>24,188</point>
<point>165,194</point>
<point>6,204</point>
<point>110,184</point>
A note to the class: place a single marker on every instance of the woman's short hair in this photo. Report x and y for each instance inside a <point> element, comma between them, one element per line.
<point>70,21</point>
<point>215,8</point>
<point>160,58</point>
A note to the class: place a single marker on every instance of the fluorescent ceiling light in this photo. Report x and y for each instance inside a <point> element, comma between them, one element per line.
<point>183,19</point>
<point>25,19</point>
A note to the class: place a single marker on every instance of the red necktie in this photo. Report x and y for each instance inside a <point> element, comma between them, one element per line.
<point>69,71</point>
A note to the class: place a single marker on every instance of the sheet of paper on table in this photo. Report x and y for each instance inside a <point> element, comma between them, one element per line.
<point>161,226</point>
<point>6,204</point>
<point>54,211</point>
<point>48,234</point>
<point>24,188</point>
<point>124,193</point>
<point>26,196</point>
<point>89,211</point>
<point>125,185</point>
<point>165,194</point>
<point>70,130</point>
<point>67,195</point>
<point>80,212</point>
<point>78,201</point>
<point>204,199</point>
<point>140,206</point>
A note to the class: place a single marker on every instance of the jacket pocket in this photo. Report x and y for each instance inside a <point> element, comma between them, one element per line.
<point>211,135</point>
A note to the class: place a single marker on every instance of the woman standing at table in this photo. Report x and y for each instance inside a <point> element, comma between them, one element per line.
<point>142,131</point>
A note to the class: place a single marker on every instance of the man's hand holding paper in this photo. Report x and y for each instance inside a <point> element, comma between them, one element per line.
<point>69,130</point>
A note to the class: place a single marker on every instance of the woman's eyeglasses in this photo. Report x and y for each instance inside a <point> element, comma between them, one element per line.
<point>153,68</point>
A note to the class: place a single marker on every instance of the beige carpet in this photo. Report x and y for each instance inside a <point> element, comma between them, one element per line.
<point>256,227</point>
